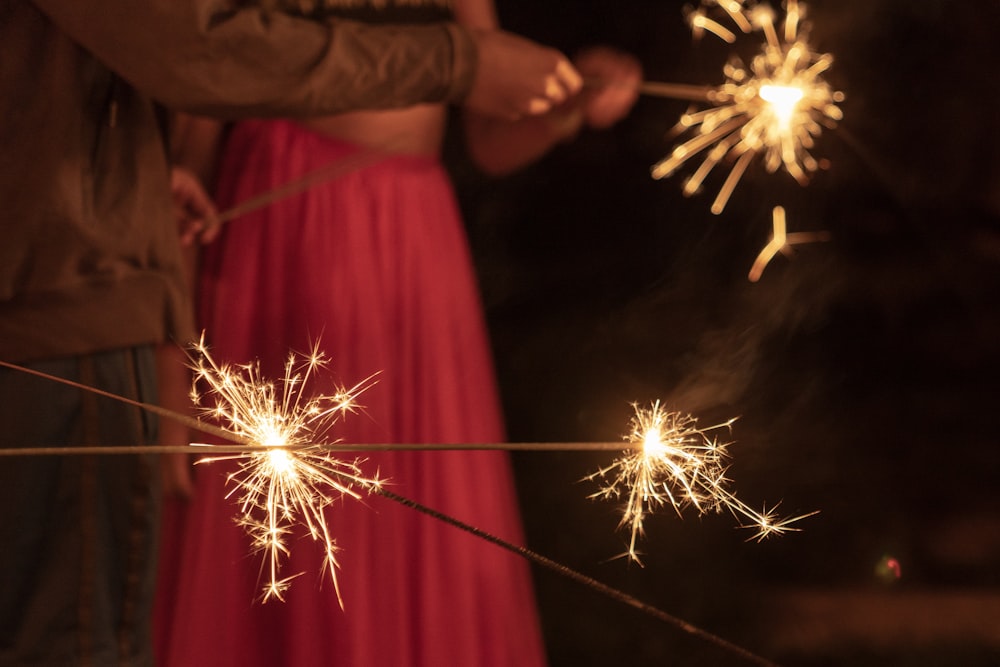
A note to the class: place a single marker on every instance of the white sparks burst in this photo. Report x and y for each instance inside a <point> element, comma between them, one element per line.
<point>291,480</point>
<point>676,463</point>
<point>775,108</point>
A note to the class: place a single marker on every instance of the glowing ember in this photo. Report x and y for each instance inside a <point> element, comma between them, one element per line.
<point>291,479</point>
<point>782,242</point>
<point>774,108</point>
<point>681,466</point>
<point>783,101</point>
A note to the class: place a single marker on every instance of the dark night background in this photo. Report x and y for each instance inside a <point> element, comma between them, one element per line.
<point>863,370</point>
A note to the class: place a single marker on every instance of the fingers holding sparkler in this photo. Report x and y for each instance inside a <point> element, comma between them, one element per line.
<point>194,210</point>
<point>614,81</point>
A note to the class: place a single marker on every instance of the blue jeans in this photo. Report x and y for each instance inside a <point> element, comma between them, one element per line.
<point>78,534</point>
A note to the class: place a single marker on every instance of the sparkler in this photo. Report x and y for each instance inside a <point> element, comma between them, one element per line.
<point>285,477</point>
<point>285,469</point>
<point>774,108</point>
<point>679,465</point>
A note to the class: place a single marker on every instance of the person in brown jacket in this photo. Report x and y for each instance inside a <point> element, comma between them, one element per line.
<point>90,270</point>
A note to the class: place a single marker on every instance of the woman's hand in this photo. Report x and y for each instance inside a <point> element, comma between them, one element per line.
<point>613,79</point>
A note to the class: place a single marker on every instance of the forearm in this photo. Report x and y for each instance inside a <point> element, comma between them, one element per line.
<point>204,57</point>
<point>499,147</point>
<point>195,144</point>
<point>174,388</point>
<point>174,384</point>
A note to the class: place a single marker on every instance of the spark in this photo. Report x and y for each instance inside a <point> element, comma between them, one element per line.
<point>775,108</point>
<point>782,242</point>
<point>680,465</point>
<point>287,478</point>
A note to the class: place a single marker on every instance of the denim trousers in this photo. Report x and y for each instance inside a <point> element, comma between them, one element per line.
<point>78,533</point>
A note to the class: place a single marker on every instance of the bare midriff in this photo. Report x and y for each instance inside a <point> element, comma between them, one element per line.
<point>416,130</point>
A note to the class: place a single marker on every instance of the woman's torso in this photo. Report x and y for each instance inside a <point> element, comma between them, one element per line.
<point>413,130</point>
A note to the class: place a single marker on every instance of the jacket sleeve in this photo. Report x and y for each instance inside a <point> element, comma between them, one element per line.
<point>211,57</point>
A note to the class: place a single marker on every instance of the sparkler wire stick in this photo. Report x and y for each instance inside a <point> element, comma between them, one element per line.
<point>327,172</point>
<point>581,578</point>
<point>680,91</point>
<point>378,489</point>
<point>244,446</point>
<point>340,167</point>
<point>191,422</point>
<point>325,448</point>
<point>674,91</point>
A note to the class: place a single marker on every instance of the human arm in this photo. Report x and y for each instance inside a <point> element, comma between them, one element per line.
<point>196,219</point>
<point>196,144</point>
<point>499,147</point>
<point>204,56</point>
<point>173,384</point>
<point>612,86</point>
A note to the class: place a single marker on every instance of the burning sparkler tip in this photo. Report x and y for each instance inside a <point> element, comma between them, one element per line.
<point>289,479</point>
<point>674,462</point>
<point>276,589</point>
<point>774,108</point>
<point>766,524</point>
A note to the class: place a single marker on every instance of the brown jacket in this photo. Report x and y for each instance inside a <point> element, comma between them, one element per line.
<point>89,258</point>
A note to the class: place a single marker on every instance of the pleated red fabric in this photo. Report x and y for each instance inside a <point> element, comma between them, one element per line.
<point>375,265</point>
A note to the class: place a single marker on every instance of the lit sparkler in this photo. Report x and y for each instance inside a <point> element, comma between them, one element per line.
<point>678,465</point>
<point>291,478</point>
<point>270,424</point>
<point>774,108</point>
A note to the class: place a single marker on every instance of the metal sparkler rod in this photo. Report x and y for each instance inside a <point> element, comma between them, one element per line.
<point>679,91</point>
<point>246,446</point>
<point>190,422</point>
<point>676,91</point>
<point>360,160</point>
<point>589,582</point>
<point>206,449</point>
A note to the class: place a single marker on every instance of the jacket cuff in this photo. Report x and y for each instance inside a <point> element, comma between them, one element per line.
<point>464,62</point>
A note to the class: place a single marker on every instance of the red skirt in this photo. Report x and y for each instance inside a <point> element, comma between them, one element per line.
<point>374,264</point>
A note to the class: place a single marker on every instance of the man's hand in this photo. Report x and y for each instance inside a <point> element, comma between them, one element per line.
<point>193,208</point>
<point>516,77</point>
